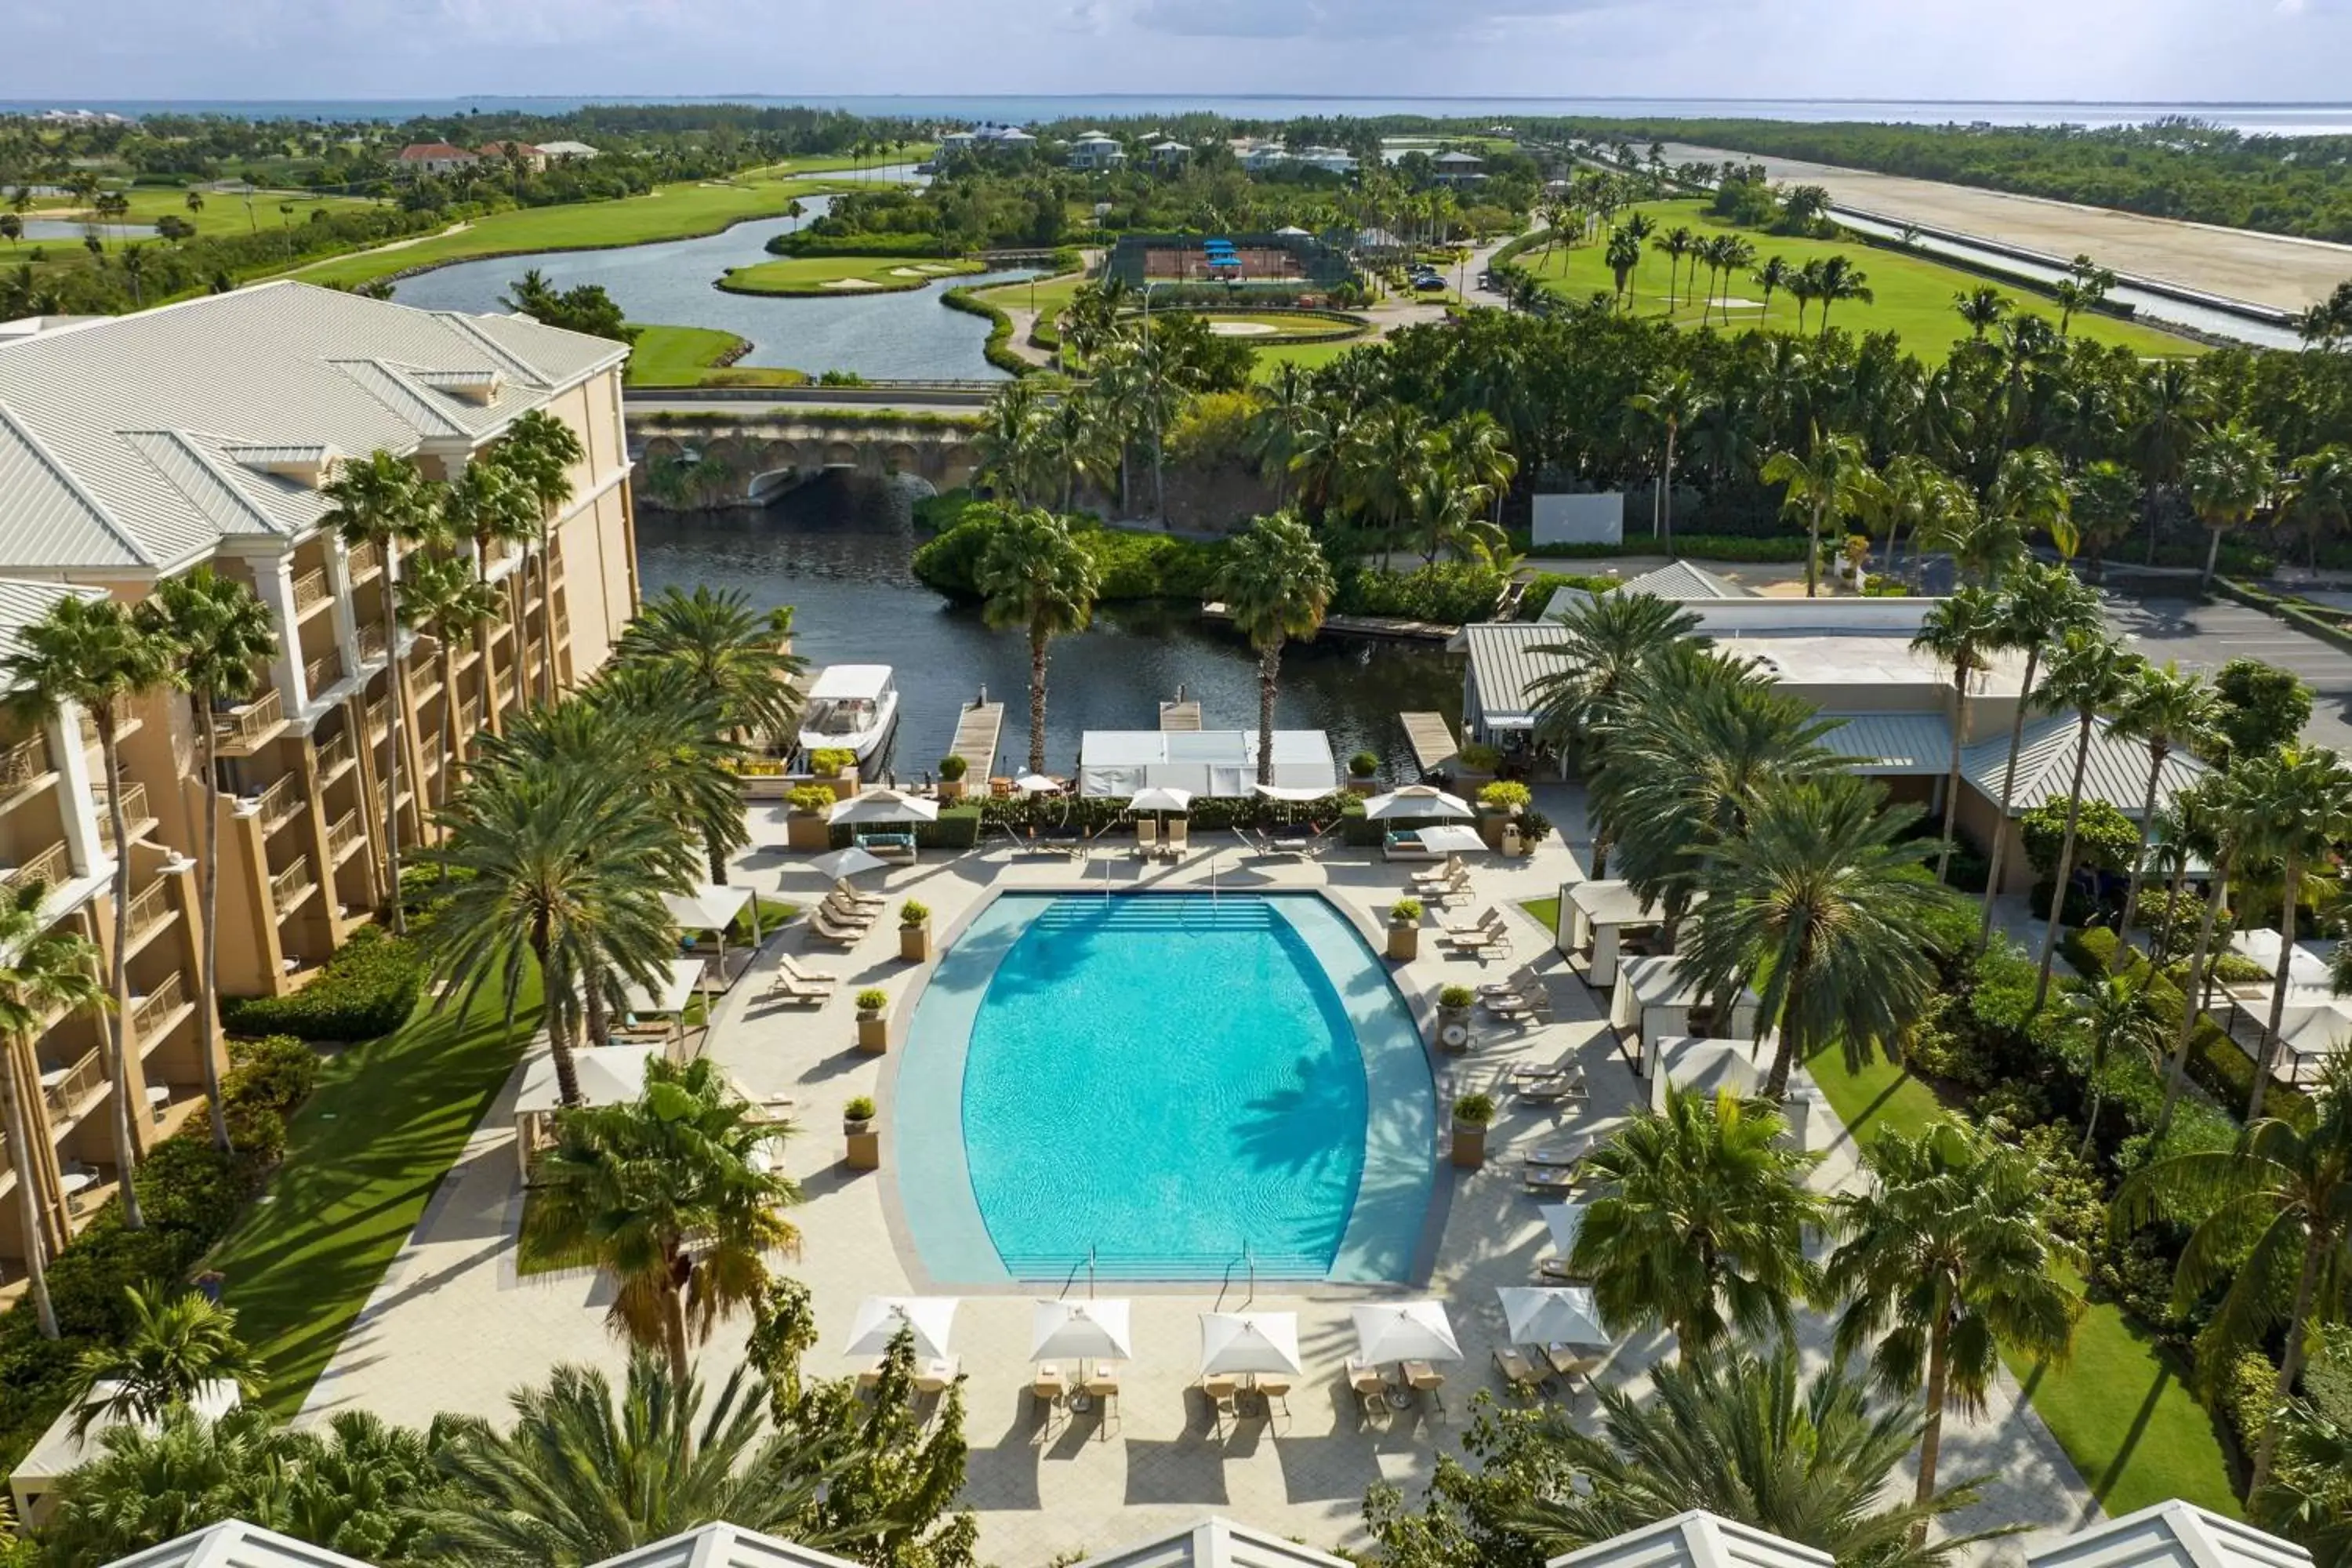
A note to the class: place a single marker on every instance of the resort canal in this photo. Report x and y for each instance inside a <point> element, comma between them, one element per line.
<point>836,551</point>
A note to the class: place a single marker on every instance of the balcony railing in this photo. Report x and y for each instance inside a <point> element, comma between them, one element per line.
<point>288,886</point>
<point>148,1013</point>
<point>134,811</point>
<point>51,866</point>
<point>469,716</point>
<point>149,909</point>
<point>310,589</point>
<point>280,803</point>
<point>250,724</point>
<point>335,755</point>
<point>371,641</point>
<point>345,834</point>
<point>379,715</point>
<point>23,761</point>
<point>123,718</point>
<point>322,672</point>
<point>364,561</point>
<point>68,1090</point>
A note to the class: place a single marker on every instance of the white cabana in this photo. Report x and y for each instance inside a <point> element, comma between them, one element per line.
<point>1036,783</point>
<point>2307,967</point>
<point>1417,801</point>
<point>850,862</point>
<point>607,1075</point>
<point>1404,1331</point>
<point>1655,1002</point>
<point>1551,1315</point>
<point>1079,1330</point>
<point>1237,1342</point>
<point>931,1320</point>
<point>1122,763</point>
<point>1451,839</point>
<point>677,987</point>
<point>1595,915</point>
<point>885,805</point>
<point>1297,795</point>
<point>57,1452</point>
<point>709,907</point>
<point>1693,1065</point>
<point>2309,1033</point>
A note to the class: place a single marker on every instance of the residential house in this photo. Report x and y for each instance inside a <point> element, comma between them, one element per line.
<point>1093,151</point>
<point>568,152</point>
<point>531,158</point>
<point>434,158</point>
<point>1459,169</point>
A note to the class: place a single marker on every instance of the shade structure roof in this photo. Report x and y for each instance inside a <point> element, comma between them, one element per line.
<point>1677,581</point>
<point>2307,966</point>
<point>2315,1028</point>
<point>1892,745</point>
<point>708,907</point>
<point>1695,1539</point>
<point>1551,1315</point>
<point>233,1543</point>
<point>608,1075</point>
<point>680,977</point>
<point>723,1545</point>
<point>2115,769</point>
<point>1566,1223</point>
<point>850,683</point>
<point>1451,839</point>
<point>2173,1534</point>
<point>57,1450</point>
<point>881,806</point>
<point>1249,1342</point>
<point>1416,801</point>
<point>1096,1328</point>
<point>1404,1331</point>
<point>1296,793</point>
<point>931,1320</point>
<point>1609,902</point>
<point>1117,764</point>
<point>1214,1542</point>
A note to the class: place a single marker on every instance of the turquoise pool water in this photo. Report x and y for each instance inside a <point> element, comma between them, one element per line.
<point>1174,1084</point>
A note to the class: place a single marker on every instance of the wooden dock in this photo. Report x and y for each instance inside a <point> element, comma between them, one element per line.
<point>977,728</point>
<point>1380,629</point>
<point>1182,716</point>
<point>1431,739</point>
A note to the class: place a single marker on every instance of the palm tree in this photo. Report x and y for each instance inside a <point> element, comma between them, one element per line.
<point>490,506</point>
<point>675,1198</point>
<point>1605,641</point>
<point>1285,407</point>
<point>1945,1260</point>
<point>2089,672</point>
<point>1839,280</point>
<point>2039,604</point>
<point>382,501</point>
<point>2300,799</point>
<point>2228,478</point>
<point>1670,402</point>
<point>1828,484</point>
<point>1982,307</point>
<point>1072,445</point>
<point>1818,908</point>
<point>42,967</point>
<point>441,597</point>
<point>1035,577</point>
<point>1700,1222</point>
<point>2273,1209</point>
<point>541,450</point>
<point>1622,255</point>
<point>1771,278</point>
<point>1747,1437</point>
<point>2165,711</point>
<point>2320,493</point>
<point>1959,633</point>
<point>563,870</point>
<point>738,655</point>
<point>172,1344</point>
<point>1389,456</point>
<point>221,637</point>
<point>1475,451</point>
<point>1276,584</point>
<point>1677,243</point>
<point>2030,495</point>
<point>95,654</point>
<point>2118,1018</point>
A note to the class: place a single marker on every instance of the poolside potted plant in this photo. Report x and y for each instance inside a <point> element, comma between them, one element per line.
<point>864,1145</point>
<point>1363,771</point>
<point>1499,805</point>
<point>1454,1005</point>
<point>915,931</point>
<point>1472,1113</point>
<point>1473,765</point>
<point>951,771</point>
<point>836,769</point>
<point>810,825</point>
<point>1404,930</point>
<point>873,1021</point>
<point>761,778</point>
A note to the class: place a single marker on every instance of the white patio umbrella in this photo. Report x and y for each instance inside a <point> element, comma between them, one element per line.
<point>885,805</point>
<point>1079,1330</point>
<point>1249,1342</point>
<point>1556,1315</point>
<point>1404,1331</point>
<point>880,1318</point>
<point>847,862</point>
<point>1161,797</point>
<point>1451,839</point>
<point>1036,783</point>
<point>1417,800</point>
<point>1294,793</point>
<point>1566,1223</point>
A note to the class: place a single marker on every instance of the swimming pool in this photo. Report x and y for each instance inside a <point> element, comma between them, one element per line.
<point>1173,1086</point>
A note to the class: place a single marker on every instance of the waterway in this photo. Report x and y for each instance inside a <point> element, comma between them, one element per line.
<point>836,552</point>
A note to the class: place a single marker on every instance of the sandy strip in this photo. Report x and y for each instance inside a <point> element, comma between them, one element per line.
<point>1241,330</point>
<point>852,283</point>
<point>908,273</point>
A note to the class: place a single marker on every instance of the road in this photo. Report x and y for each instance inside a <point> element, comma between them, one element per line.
<point>2267,268</point>
<point>753,406</point>
<point>2204,637</point>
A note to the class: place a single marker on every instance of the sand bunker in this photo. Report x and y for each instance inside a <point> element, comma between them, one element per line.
<point>1241,330</point>
<point>906,272</point>
<point>851,283</point>
<point>934,268</point>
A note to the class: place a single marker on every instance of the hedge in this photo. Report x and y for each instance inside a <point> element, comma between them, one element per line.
<point>1688,546</point>
<point>367,989</point>
<point>1449,592</point>
<point>1129,565</point>
<point>2216,1063</point>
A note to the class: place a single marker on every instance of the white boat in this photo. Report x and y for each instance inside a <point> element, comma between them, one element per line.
<point>850,708</point>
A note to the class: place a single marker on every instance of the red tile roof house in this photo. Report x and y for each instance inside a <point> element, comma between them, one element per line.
<point>533,158</point>
<point>434,158</point>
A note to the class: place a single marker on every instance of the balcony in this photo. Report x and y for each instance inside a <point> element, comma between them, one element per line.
<point>469,716</point>
<point>125,721</point>
<point>150,1015</point>
<point>69,1088</point>
<point>335,755</point>
<point>322,672</point>
<point>151,910</point>
<point>365,562</point>
<point>371,640</point>
<point>50,867</point>
<point>136,818</point>
<point>241,730</point>
<point>379,717</point>
<point>345,835</point>
<point>289,888</point>
<point>311,591</point>
<point>281,803</point>
<point>24,762</point>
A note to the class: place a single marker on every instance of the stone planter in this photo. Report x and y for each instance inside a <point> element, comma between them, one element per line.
<point>915,942</point>
<point>950,791</point>
<point>1404,942</point>
<point>1469,1144</point>
<point>874,1032</point>
<point>843,785</point>
<point>1449,1020</point>
<point>1363,786</point>
<point>806,830</point>
<point>1491,824</point>
<point>864,1151</point>
<point>765,787</point>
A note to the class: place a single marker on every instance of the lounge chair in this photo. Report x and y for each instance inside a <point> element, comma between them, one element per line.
<point>1519,1008</point>
<point>1557,1156</point>
<point>1223,1394</point>
<point>1488,919</point>
<point>801,971</point>
<point>1550,1181</point>
<point>848,914</point>
<point>1549,1091</point>
<point>839,934</point>
<point>935,1377</point>
<point>1435,876</point>
<point>1424,1379</point>
<point>1519,1375</point>
<point>790,987</point>
<point>843,892</point>
<point>1556,1271</point>
<point>1047,1388</point>
<point>1101,1385</point>
<point>1147,836</point>
<point>1370,1388</point>
<point>1273,1391</point>
<point>1478,939</point>
<point>1179,842</point>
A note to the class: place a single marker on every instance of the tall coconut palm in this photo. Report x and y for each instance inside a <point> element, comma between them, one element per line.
<point>2228,475</point>
<point>2165,711</point>
<point>1035,578</point>
<point>1944,1260</point>
<point>541,450</point>
<point>1622,255</point>
<point>2300,799</point>
<point>1475,451</point>
<point>2271,1218</point>
<point>1677,243</point>
<point>490,505</point>
<point>1982,307</point>
<point>660,723</point>
<point>1818,908</point>
<point>174,1342</point>
<point>2039,604</point>
<point>2089,672</point>
<point>2173,405</point>
<point>1959,634</point>
<point>1285,404</point>
<point>1836,280</point>
<point>737,654</point>
<point>1073,447</point>
<point>1604,641</point>
<point>1747,1437</point>
<point>42,968</point>
<point>1771,278</point>
<point>1700,1222</point>
<point>440,597</point>
<point>2320,493</point>
<point>1389,456</point>
<point>675,1198</point>
<point>1276,584</point>
<point>1670,403</point>
<point>2221,815</point>
<point>222,636</point>
<point>2029,495</point>
<point>2119,1020</point>
<point>96,655</point>
<point>1825,483</point>
<point>382,501</point>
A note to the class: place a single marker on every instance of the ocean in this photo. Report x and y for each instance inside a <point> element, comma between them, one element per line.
<point>2263,119</point>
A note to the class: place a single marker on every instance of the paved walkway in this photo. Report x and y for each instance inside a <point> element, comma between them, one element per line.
<point>452,1327</point>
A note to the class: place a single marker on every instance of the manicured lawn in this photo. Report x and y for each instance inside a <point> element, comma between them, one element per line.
<point>821,275</point>
<point>363,1157</point>
<point>1298,325</point>
<point>914,152</point>
<point>689,356</point>
<point>1545,910</point>
<point>1051,295</point>
<point>1307,356</point>
<point>2119,1408</point>
<point>678,210</point>
<point>1912,294</point>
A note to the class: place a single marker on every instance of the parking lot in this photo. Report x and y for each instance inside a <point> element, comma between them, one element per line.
<point>2204,637</point>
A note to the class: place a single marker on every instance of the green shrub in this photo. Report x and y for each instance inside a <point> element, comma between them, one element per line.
<point>2216,1063</point>
<point>1456,997</point>
<point>1450,593</point>
<point>1130,566</point>
<point>2105,838</point>
<point>832,761</point>
<point>1405,911</point>
<point>1690,546</point>
<point>810,800</point>
<point>1479,758</point>
<point>367,989</point>
<point>872,1000</point>
<point>1544,584</point>
<point>914,912</point>
<point>2248,1391</point>
<point>1534,827</point>
<point>1474,1109</point>
<point>1363,765</point>
<point>275,1073</point>
<point>1507,794</point>
<point>860,1109</point>
<point>952,768</point>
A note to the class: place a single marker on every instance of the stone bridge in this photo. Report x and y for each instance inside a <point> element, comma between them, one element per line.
<point>730,457</point>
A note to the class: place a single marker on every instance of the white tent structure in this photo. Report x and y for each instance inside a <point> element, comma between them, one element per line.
<point>883,806</point>
<point>1593,916</point>
<point>1702,1539</point>
<point>57,1452</point>
<point>1080,1328</point>
<point>2310,1031</point>
<point>1122,763</point>
<point>1653,1001</point>
<point>712,908</point>
<point>2172,1534</point>
<point>1404,1331</point>
<point>608,1075</point>
<point>849,862</point>
<point>1693,1065</point>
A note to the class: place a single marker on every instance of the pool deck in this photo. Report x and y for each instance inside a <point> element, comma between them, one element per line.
<point>452,1327</point>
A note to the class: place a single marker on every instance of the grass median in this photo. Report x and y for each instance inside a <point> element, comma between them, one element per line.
<point>666,356</point>
<point>816,277</point>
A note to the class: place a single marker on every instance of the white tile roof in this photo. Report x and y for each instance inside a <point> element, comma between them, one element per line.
<point>137,443</point>
<point>233,1543</point>
<point>2171,1535</point>
<point>1694,1539</point>
<point>1892,744</point>
<point>1215,1542</point>
<point>2115,771</point>
<point>1678,582</point>
<point>723,1545</point>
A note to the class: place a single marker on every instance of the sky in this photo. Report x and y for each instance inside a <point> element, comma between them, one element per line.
<point>2107,50</point>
